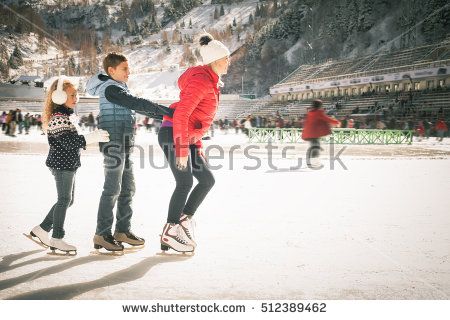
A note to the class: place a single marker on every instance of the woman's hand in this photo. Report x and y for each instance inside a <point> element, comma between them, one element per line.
<point>182,163</point>
<point>202,154</point>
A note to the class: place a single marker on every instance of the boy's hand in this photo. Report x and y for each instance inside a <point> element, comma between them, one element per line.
<point>171,112</point>
<point>165,111</point>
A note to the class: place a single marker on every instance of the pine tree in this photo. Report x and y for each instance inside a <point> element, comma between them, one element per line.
<point>216,13</point>
<point>71,66</point>
<point>250,19</point>
<point>154,25</point>
<point>234,22</point>
<point>15,60</point>
<point>222,10</point>
<point>264,11</point>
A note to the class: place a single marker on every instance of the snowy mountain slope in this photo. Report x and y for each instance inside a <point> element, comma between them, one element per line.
<point>156,85</point>
<point>151,74</point>
<point>35,52</point>
<point>153,65</point>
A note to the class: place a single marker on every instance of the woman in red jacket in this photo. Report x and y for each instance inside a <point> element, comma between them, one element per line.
<point>441,128</point>
<point>317,125</point>
<point>180,138</point>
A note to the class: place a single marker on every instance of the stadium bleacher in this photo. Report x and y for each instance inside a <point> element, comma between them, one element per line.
<point>430,100</point>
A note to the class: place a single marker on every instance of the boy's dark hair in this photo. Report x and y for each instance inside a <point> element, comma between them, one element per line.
<point>316,104</point>
<point>113,59</point>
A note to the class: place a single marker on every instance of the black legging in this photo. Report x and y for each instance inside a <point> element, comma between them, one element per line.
<point>196,167</point>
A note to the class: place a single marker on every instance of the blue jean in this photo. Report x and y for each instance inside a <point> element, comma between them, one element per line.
<point>119,187</point>
<point>65,187</point>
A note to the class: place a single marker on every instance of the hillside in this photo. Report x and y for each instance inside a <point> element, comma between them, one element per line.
<point>266,37</point>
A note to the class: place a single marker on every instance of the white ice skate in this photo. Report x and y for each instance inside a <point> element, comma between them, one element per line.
<point>61,245</point>
<point>187,222</point>
<point>314,163</point>
<point>174,237</point>
<point>39,235</point>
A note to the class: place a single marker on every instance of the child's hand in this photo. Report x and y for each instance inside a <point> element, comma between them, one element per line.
<point>97,136</point>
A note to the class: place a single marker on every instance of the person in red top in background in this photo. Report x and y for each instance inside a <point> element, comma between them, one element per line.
<point>317,124</point>
<point>180,138</point>
<point>441,128</point>
<point>420,130</point>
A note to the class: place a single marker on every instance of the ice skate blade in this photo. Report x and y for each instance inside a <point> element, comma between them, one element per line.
<point>176,254</point>
<point>165,248</point>
<point>38,242</point>
<point>105,252</point>
<point>58,252</point>
<point>133,247</point>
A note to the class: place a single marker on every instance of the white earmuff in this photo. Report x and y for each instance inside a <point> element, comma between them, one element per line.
<point>59,96</point>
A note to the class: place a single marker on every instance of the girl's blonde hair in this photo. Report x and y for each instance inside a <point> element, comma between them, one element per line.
<point>49,105</point>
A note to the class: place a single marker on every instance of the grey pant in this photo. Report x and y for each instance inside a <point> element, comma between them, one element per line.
<point>65,186</point>
<point>314,148</point>
<point>119,186</point>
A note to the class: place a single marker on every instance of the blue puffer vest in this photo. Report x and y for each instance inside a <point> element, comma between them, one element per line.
<point>117,120</point>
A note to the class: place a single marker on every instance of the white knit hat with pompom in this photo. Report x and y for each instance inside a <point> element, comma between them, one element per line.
<point>212,50</point>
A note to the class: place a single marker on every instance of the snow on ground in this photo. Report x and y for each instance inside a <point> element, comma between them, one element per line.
<point>378,230</point>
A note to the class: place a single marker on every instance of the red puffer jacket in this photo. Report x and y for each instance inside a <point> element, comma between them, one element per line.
<point>317,124</point>
<point>441,126</point>
<point>194,113</point>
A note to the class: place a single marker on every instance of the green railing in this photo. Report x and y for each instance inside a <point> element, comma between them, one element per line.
<point>339,136</point>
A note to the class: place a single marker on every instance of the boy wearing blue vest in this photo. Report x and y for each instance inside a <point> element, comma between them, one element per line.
<point>117,116</point>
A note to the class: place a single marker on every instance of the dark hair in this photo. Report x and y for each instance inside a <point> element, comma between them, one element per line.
<point>317,103</point>
<point>205,39</point>
<point>113,59</point>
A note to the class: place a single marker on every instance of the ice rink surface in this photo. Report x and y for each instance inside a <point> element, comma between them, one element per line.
<point>378,230</point>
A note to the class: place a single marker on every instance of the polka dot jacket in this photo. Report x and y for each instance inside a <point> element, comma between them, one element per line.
<point>64,140</point>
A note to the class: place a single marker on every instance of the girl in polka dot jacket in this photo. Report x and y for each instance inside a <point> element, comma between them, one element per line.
<point>63,161</point>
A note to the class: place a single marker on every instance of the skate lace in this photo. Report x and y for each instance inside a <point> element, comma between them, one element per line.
<point>190,227</point>
<point>111,239</point>
<point>180,234</point>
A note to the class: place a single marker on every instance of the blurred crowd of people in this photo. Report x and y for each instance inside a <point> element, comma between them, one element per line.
<point>15,122</point>
<point>423,128</point>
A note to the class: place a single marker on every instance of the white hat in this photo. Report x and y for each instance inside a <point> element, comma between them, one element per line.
<point>212,50</point>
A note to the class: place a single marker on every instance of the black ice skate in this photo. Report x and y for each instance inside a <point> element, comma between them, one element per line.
<point>129,238</point>
<point>108,243</point>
